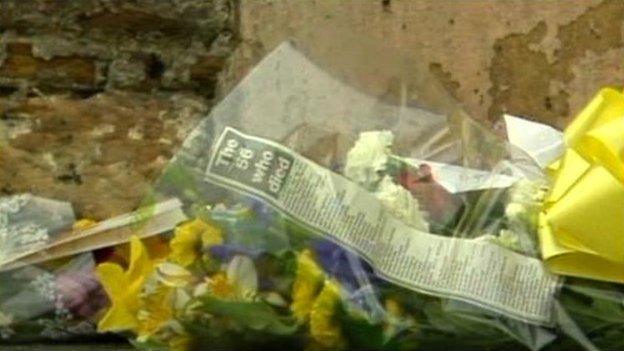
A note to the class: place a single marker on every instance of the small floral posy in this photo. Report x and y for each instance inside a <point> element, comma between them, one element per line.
<point>225,281</point>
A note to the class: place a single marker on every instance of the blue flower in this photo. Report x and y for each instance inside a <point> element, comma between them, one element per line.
<point>352,272</point>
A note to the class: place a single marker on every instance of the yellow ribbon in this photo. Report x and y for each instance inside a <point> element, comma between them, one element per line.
<point>582,224</point>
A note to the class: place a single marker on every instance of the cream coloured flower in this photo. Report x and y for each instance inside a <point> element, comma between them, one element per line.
<point>368,157</point>
<point>525,203</point>
<point>527,191</point>
<point>506,238</point>
<point>239,281</point>
<point>401,203</point>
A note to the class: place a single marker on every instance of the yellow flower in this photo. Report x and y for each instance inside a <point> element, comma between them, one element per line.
<point>239,282</point>
<point>173,275</point>
<point>189,238</point>
<point>155,310</point>
<point>324,328</point>
<point>220,287</point>
<point>84,223</point>
<point>124,288</point>
<point>393,307</point>
<point>307,285</point>
<point>211,235</point>
<point>396,319</point>
<point>158,247</point>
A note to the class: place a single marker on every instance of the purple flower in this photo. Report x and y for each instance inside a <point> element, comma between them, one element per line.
<point>354,274</point>
<point>344,265</point>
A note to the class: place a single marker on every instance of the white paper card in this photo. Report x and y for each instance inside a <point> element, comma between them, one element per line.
<point>542,142</point>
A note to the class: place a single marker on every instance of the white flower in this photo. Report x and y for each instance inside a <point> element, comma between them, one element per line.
<point>242,275</point>
<point>516,211</point>
<point>527,191</point>
<point>401,203</point>
<point>509,239</point>
<point>368,157</point>
<point>525,203</point>
<point>239,282</point>
<point>367,161</point>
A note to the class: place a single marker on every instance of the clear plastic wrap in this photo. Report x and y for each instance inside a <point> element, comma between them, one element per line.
<point>339,198</point>
<point>51,301</point>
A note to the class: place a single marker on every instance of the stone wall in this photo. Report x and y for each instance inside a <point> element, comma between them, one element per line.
<point>95,95</point>
<point>541,59</point>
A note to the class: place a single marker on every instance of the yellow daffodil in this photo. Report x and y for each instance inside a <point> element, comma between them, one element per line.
<point>324,328</point>
<point>124,288</point>
<point>158,247</point>
<point>189,239</point>
<point>308,283</point>
<point>173,275</point>
<point>155,310</point>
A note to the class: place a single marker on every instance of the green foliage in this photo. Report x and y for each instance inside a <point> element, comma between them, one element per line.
<point>249,315</point>
<point>594,305</point>
<point>361,332</point>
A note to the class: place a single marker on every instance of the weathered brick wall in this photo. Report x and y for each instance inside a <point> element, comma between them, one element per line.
<point>96,95</point>
<point>91,46</point>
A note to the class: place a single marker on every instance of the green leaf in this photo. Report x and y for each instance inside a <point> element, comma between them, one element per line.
<point>252,315</point>
<point>182,178</point>
<point>593,305</point>
<point>474,330</point>
<point>149,345</point>
<point>361,333</point>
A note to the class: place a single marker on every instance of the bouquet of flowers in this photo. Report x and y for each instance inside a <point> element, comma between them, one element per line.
<point>304,213</point>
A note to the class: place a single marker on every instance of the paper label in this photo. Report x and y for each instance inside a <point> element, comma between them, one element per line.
<point>145,222</point>
<point>457,179</point>
<point>543,143</point>
<point>473,271</point>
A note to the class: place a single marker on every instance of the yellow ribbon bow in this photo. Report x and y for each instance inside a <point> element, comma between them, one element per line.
<point>582,224</point>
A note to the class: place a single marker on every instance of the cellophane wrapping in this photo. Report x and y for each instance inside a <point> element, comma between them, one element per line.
<point>337,198</point>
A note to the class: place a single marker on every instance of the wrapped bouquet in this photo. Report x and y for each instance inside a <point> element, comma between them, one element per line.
<point>306,213</point>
